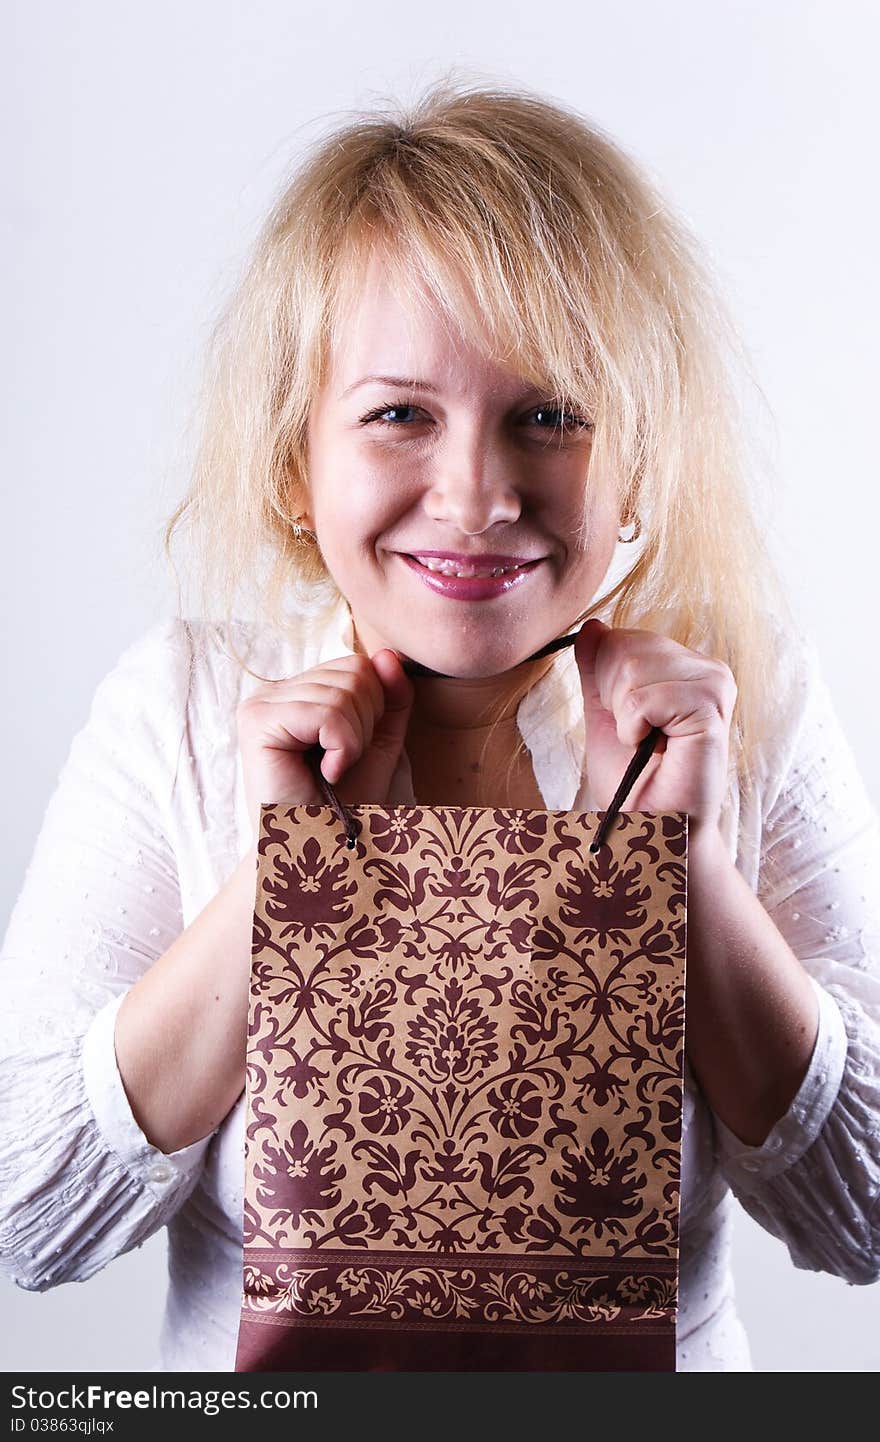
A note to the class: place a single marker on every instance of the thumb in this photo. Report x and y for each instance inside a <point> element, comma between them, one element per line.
<point>604,757</point>
<point>372,776</point>
<point>390,730</point>
<point>585,649</point>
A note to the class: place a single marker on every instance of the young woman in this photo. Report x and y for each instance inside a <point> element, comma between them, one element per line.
<point>474,388</point>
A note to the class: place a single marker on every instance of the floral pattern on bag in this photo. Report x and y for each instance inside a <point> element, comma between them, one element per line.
<point>464,1075</point>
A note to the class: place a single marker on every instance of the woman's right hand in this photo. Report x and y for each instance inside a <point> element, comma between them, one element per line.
<point>356,707</point>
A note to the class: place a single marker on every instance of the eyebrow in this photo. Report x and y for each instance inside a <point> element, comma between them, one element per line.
<point>407,383</point>
<point>391,381</point>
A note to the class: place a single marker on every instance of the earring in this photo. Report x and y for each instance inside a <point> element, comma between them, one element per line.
<point>299,530</point>
<point>637,531</point>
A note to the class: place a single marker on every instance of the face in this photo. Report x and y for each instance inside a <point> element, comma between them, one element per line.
<point>471,462</point>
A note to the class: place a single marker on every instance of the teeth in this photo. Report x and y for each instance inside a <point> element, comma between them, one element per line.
<point>448,568</point>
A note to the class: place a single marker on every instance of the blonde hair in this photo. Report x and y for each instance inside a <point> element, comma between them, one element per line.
<point>550,249</point>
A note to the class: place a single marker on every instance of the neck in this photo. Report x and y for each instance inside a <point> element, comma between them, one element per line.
<point>453,703</point>
<point>469,703</point>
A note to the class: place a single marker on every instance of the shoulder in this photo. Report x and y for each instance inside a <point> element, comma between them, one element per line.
<point>167,704</point>
<point>180,663</point>
<point>805,720</point>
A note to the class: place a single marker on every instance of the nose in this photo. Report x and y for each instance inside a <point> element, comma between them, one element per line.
<point>472,491</point>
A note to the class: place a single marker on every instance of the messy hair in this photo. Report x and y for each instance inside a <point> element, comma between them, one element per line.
<point>551,250</point>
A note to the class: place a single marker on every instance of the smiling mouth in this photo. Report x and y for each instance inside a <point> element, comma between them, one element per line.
<point>460,579</point>
<point>467,570</point>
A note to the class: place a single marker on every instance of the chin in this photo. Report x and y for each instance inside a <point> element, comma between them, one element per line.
<point>478,668</point>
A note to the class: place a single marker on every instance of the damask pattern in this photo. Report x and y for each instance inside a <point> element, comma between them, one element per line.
<point>464,1091</point>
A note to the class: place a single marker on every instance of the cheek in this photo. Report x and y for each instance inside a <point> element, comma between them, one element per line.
<point>350,522</point>
<point>590,549</point>
<point>366,499</point>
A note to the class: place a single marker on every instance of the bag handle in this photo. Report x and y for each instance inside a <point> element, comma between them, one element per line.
<point>643,753</point>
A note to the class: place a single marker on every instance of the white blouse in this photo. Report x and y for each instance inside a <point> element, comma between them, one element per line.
<point>147,821</point>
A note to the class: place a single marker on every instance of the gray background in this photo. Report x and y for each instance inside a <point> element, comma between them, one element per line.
<point>142,145</point>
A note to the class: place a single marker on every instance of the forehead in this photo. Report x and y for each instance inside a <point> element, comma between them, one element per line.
<point>390,323</point>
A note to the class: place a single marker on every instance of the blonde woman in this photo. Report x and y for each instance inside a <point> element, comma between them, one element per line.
<point>475,390</point>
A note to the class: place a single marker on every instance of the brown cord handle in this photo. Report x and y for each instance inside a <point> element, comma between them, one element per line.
<point>643,754</point>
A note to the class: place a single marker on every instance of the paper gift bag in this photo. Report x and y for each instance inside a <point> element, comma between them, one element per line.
<point>464,1090</point>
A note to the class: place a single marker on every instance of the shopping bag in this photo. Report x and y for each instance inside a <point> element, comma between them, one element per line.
<point>464,1089</point>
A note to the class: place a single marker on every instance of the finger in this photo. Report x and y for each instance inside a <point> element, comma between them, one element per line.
<point>697,682</point>
<point>398,690</point>
<point>368,692</point>
<point>586,650</point>
<point>350,690</point>
<point>352,674</point>
<point>341,737</point>
<point>399,693</point>
<point>298,720</point>
<point>371,779</point>
<point>679,707</point>
<point>296,726</point>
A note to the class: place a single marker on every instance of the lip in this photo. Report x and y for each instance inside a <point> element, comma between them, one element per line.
<point>461,559</point>
<point>471,588</point>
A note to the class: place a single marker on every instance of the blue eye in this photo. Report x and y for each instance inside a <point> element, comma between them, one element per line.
<point>382,411</point>
<point>563,420</point>
<point>570,420</point>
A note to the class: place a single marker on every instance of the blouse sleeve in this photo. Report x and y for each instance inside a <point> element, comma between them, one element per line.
<point>814,1181</point>
<point>79,1182</point>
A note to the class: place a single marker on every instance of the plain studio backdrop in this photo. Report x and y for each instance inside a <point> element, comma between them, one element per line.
<point>144,143</point>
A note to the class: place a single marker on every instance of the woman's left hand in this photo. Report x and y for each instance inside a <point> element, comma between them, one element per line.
<point>633,680</point>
